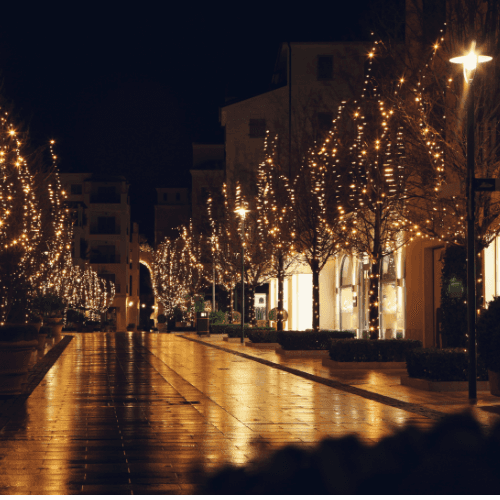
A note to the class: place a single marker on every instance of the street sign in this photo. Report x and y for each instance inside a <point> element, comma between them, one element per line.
<point>486,185</point>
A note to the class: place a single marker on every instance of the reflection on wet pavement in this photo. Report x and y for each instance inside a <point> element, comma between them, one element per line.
<point>135,413</point>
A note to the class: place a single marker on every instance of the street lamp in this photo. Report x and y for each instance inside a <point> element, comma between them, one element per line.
<point>242,212</point>
<point>470,62</point>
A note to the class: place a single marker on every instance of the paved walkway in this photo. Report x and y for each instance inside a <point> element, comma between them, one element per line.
<point>135,413</point>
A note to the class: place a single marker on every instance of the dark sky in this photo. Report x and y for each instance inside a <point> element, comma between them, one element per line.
<point>124,87</point>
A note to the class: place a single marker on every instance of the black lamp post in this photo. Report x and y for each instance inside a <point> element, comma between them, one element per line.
<point>242,212</point>
<point>470,62</point>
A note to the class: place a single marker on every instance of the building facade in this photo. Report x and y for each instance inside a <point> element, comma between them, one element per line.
<point>105,239</point>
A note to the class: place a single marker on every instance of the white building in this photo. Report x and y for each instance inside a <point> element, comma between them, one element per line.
<point>104,239</point>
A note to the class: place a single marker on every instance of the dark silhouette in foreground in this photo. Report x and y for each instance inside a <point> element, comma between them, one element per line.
<point>455,457</point>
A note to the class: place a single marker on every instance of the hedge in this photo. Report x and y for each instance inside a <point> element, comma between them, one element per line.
<point>457,456</point>
<point>383,350</point>
<point>296,341</point>
<point>443,365</point>
<point>263,336</point>
<point>235,330</point>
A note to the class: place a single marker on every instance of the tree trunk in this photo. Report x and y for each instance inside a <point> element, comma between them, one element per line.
<point>231,307</point>
<point>373,293</point>
<point>251,305</point>
<point>480,303</point>
<point>281,281</point>
<point>315,276</point>
<point>373,302</point>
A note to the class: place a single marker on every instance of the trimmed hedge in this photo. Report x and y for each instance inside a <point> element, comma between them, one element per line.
<point>233,330</point>
<point>16,333</point>
<point>315,341</point>
<point>262,336</point>
<point>442,365</point>
<point>382,350</point>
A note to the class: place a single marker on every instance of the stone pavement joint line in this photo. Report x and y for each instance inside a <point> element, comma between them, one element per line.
<point>35,376</point>
<point>385,400</point>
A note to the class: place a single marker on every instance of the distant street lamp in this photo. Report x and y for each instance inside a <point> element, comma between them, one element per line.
<point>242,212</point>
<point>470,62</point>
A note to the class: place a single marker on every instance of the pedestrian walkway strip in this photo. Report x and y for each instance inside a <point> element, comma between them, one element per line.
<point>9,404</point>
<point>378,398</point>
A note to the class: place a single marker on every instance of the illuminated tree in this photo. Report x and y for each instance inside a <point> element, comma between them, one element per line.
<point>34,225</point>
<point>275,224</point>
<point>321,222</point>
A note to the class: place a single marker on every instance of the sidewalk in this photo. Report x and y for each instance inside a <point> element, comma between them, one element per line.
<point>137,413</point>
<point>385,383</point>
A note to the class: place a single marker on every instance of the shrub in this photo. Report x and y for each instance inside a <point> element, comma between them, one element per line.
<point>16,333</point>
<point>293,340</point>
<point>217,317</point>
<point>456,457</point>
<point>162,318</point>
<point>262,336</point>
<point>383,350</point>
<point>488,335</point>
<point>446,365</point>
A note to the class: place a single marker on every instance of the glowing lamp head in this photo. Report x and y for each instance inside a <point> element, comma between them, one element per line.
<point>470,62</point>
<point>130,304</point>
<point>242,212</point>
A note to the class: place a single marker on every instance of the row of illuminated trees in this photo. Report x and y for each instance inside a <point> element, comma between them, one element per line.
<point>36,234</point>
<point>387,172</point>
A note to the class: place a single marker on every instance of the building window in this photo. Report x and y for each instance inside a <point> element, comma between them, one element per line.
<point>104,254</point>
<point>257,127</point>
<point>325,68</point>
<point>130,288</point>
<point>106,225</point>
<point>76,189</point>
<point>346,296</point>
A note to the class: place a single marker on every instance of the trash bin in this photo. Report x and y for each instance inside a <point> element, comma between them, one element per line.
<point>202,323</point>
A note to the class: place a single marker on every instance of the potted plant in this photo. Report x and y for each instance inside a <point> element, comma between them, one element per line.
<point>488,342</point>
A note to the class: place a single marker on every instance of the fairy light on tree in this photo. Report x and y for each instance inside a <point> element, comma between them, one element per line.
<point>275,224</point>
<point>322,224</point>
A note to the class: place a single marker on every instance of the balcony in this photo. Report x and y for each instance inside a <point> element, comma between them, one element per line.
<point>96,258</point>
<point>105,198</point>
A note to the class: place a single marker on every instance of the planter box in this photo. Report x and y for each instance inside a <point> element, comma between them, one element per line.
<point>14,361</point>
<point>302,354</point>
<point>430,385</point>
<point>364,365</point>
<point>262,345</point>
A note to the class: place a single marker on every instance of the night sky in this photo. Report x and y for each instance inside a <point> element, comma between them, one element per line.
<point>125,88</point>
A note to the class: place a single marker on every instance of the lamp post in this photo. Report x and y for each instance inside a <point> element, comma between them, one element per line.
<point>242,212</point>
<point>470,62</point>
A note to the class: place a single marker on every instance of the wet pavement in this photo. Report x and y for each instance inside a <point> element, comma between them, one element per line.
<point>135,413</point>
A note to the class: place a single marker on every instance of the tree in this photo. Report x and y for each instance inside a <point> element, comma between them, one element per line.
<point>367,145</point>
<point>275,224</point>
<point>322,225</point>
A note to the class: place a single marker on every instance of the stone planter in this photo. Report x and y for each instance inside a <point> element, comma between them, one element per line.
<point>36,325</point>
<point>56,326</point>
<point>320,353</point>
<point>42,337</point>
<point>15,355</point>
<point>494,379</point>
<point>434,386</point>
<point>262,345</point>
<point>364,365</point>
